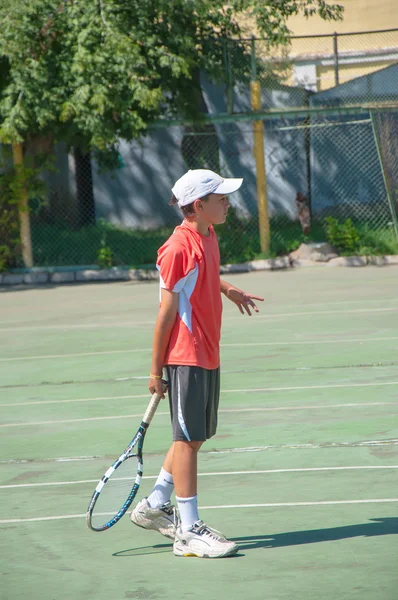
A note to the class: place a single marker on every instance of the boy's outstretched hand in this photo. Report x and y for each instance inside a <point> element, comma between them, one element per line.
<point>243,300</point>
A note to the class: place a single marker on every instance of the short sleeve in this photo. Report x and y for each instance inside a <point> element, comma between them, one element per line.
<point>175,263</point>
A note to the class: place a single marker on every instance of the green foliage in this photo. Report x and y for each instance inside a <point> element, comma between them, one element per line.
<point>382,242</point>
<point>105,257</point>
<point>12,183</point>
<point>238,238</point>
<point>59,245</point>
<point>104,254</point>
<point>9,222</point>
<point>93,72</point>
<point>343,236</point>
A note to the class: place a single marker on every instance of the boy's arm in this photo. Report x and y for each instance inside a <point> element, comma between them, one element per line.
<point>243,300</point>
<point>163,328</point>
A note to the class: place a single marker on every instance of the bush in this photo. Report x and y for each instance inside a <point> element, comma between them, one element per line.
<point>377,242</point>
<point>15,182</point>
<point>59,245</point>
<point>10,248</point>
<point>107,245</point>
<point>343,236</point>
<point>238,238</point>
<point>105,257</point>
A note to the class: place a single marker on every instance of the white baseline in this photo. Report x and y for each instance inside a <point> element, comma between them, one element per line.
<point>223,507</point>
<point>214,474</point>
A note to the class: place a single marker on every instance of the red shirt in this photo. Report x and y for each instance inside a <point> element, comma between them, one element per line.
<point>189,264</point>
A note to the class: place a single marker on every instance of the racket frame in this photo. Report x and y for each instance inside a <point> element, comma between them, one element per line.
<point>136,443</point>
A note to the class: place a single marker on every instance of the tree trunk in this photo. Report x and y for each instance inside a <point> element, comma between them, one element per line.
<point>23,207</point>
<point>84,188</point>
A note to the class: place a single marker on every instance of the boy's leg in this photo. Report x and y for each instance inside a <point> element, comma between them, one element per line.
<point>185,468</point>
<point>168,461</point>
<point>164,486</point>
<point>194,394</point>
<point>156,511</point>
<point>185,474</point>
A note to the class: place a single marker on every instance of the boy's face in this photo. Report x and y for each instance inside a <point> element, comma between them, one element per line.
<point>214,211</point>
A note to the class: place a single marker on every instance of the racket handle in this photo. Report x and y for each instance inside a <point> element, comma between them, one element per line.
<point>152,406</point>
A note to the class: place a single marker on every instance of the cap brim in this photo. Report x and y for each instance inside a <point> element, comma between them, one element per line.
<point>228,186</point>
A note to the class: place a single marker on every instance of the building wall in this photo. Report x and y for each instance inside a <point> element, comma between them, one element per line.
<point>313,58</point>
<point>358,54</point>
<point>137,195</point>
<point>359,15</point>
<point>326,74</point>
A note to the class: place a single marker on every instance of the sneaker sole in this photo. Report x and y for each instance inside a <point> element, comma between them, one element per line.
<point>149,528</point>
<point>189,554</point>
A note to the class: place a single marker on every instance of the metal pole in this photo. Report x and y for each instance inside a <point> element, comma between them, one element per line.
<point>230,88</point>
<point>385,178</point>
<point>253,58</point>
<point>23,207</point>
<point>261,176</point>
<point>336,58</point>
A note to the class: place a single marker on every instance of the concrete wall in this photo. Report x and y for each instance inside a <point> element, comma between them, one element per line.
<point>340,160</point>
<point>137,195</point>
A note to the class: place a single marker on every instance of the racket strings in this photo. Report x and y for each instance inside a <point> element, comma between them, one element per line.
<point>115,493</point>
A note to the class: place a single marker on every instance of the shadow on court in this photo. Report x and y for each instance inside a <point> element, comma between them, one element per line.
<point>378,526</point>
<point>157,549</point>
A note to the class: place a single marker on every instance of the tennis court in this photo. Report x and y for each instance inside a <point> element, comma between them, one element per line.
<point>302,472</point>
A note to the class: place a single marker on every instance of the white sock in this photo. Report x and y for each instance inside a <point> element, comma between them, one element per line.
<point>162,490</point>
<point>188,509</point>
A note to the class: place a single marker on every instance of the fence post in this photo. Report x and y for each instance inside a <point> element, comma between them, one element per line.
<point>23,207</point>
<point>383,171</point>
<point>336,58</point>
<point>259,155</point>
<point>230,85</point>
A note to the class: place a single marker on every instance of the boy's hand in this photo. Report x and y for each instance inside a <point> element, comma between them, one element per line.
<point>243,300</point>
<point>157,386</point>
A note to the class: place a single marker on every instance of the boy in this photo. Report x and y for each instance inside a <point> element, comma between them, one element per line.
<point>186,342</point>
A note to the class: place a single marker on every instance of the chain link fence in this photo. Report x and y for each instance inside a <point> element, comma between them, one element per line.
<point>319,62</point>
<point>330,145</point>
<point>316,167</point>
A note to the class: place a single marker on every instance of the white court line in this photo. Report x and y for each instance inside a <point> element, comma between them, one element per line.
<point>102,325</point>
<point>215,474</point>
<point>308,407</point>
<point>322,304</point>
<point>222,507</point>
<point>223,410</point>
<point>228,345</point>
<point>357,444</point>
<point>269,389</point>
<point>312,387</point>
<point>100,398</point>
<point>360,444</point>
<point>101,353</point>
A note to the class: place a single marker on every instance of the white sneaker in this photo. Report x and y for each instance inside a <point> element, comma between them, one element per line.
<point>202,541</point>
<point>160,519</point>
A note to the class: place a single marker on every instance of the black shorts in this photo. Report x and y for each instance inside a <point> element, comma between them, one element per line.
<point>193,396</point>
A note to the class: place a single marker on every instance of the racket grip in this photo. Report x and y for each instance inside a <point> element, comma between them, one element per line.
<point>153,404</point>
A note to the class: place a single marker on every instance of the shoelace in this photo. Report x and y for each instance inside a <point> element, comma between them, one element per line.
<point>213,533</point>
<point>168,508</point>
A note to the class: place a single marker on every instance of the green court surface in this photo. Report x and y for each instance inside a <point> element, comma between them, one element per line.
<point>302,473</point>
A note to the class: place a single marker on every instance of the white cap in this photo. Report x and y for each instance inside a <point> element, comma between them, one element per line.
<point>200,182</point>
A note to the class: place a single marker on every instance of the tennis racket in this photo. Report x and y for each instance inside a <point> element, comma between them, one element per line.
<point>119,486</point>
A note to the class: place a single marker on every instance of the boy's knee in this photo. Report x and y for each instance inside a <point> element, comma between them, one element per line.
<point>189,446</point>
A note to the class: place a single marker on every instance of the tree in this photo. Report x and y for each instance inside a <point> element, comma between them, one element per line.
<point>94,71</point>
<point>90,72</point>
